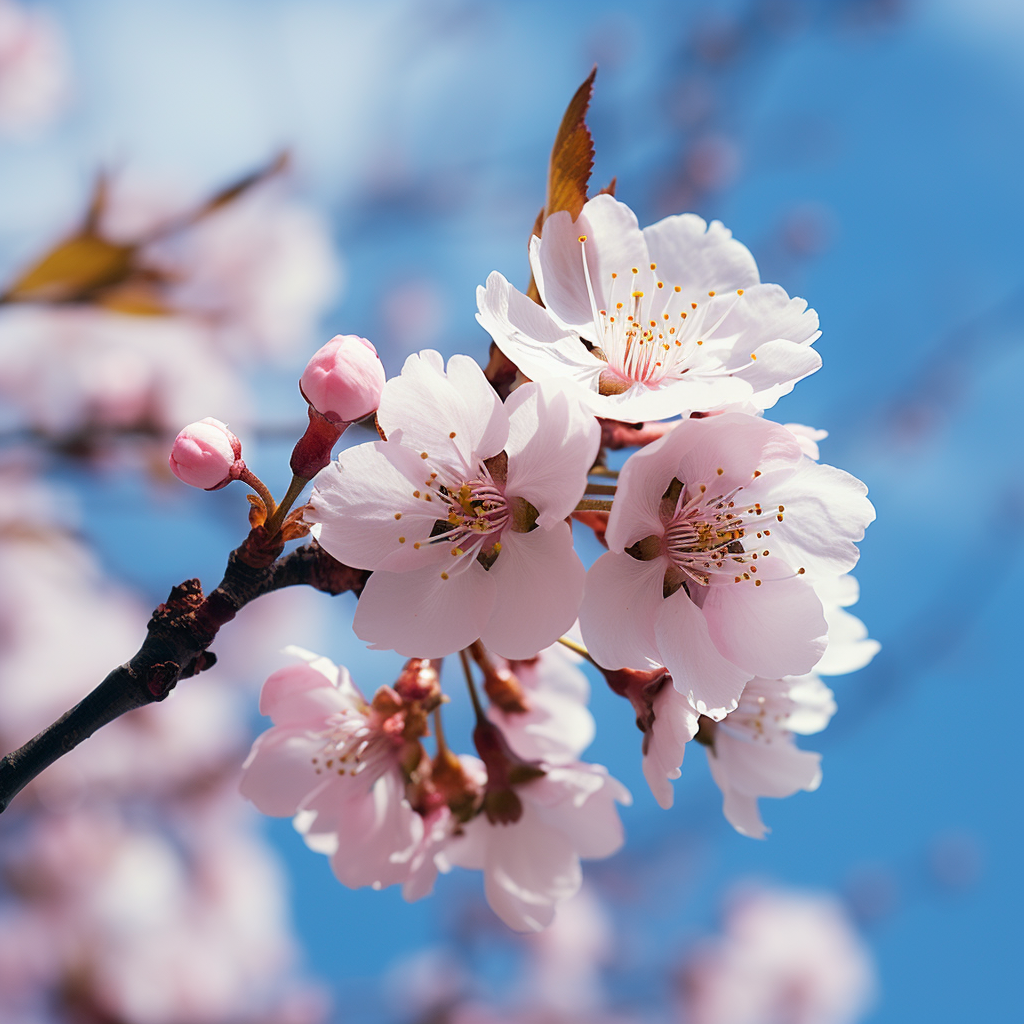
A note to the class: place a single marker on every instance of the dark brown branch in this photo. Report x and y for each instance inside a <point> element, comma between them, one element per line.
<point>176,643</point>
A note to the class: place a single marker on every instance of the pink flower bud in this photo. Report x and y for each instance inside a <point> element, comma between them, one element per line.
<point>206,454</point>
<point>344,379</point>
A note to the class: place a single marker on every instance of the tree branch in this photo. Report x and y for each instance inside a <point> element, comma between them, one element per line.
<point>179,633</point>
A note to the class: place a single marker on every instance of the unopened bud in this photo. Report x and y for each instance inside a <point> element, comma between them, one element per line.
<point>344,379</point>
<point>206,454</point>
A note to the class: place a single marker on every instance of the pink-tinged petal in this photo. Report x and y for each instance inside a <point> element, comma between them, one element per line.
<point>532,338</point>
<point>422,615</point>
<point>539,585</point>
<point>301,697</point>
<point>365,503</point>
<point>456,418</point>
<point>776,769</point>
<point>591,818</point>
<point>827,510</point>
<point>621,601</point>
<point>675,724</point>
<point>739,445</point>
<point>672,397</point>
<point>615,244</point>
<point>700,672</point>
<point>740,809</point>
<point>376,837</point>
<point>278,775</point>
<point>773,630</point>
<point>552,443</point>
<point>643,480</point>
<point>697,256</point>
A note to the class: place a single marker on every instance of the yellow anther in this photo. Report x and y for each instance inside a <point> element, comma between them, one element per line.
<point>401,540</point>
<point>711,295</point>
<point>444,575</point>
<point>739,291</point>
<point>416,545</point>
<point>752,356</point>
<point>423,455</point>
<point>582,238</point>
<point>452,434</point>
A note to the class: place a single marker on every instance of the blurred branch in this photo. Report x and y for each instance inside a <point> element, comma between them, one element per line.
<point>175,647</point>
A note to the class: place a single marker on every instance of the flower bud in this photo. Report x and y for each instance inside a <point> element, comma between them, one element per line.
<point>206,454</point>
<point>343,380</point>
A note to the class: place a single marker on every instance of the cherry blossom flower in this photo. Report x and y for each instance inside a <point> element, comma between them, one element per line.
<point>715,534</point>
<point>334,761</point>
<point>752,752</point>
<point>461,512</point>
<point>785,955</point>
<point>653,323</point>
<point>532,864</point>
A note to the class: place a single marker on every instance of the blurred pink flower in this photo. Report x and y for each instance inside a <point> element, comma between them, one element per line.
<point>785,958</point>
<point>33,68</point>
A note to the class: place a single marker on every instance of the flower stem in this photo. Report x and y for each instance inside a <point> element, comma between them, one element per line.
<point>473,696</point>
<point>277,515</point>
<point>247,476</point>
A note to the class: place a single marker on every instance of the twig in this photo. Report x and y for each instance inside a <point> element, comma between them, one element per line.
<point>176,643</point>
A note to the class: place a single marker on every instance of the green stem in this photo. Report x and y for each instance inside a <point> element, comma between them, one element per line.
<point>277,516</point>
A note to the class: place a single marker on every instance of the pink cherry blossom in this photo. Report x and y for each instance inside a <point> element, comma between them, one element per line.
<point>674,316</point>
<point>715,534</point>
<point>206,454</point>
<point>785,956</point>
<point>331,761</point>
<point>343,380</point>
<point>532,864</point>
<point>461,512</point>
<point>752,752</point>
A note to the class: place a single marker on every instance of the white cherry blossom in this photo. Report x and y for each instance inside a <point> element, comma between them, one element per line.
<point>651,323</point>
<point>461,512</point>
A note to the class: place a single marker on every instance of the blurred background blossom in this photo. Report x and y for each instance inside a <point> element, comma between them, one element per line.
<point>868,152</point>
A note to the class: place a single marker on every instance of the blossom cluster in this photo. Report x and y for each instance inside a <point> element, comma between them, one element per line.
<point>719,601</point>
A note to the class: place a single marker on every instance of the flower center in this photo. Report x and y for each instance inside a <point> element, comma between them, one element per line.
<point>656,338</point>
<point>471,514</point>
<point>707,535</point>
<point>353,747</point>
